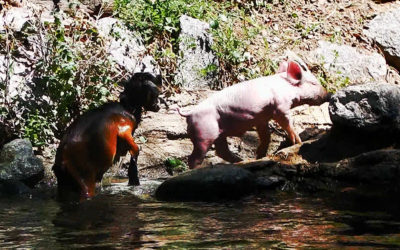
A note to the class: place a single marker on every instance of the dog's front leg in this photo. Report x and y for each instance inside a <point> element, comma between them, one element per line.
<point>133,172</point>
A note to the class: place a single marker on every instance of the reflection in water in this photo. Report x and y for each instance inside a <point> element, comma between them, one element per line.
<point>274,220</point>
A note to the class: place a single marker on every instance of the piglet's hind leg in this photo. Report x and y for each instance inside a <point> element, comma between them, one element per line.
<point>199,152</point>
<point>265,136</point>
<point>222,149</point>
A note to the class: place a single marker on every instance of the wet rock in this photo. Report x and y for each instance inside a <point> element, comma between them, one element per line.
<point>373,169</point>
<point>126,47</point>
<point>383,30</point>
<point>18,163</point>
<point>379,167</point>
<point>197,68</point>
<point>13,187</point>
<point>220,182</point>
<point>359,66</point>
<point>369,107</point>
<point>147,187</point>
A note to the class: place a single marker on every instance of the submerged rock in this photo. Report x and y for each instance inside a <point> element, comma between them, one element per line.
<point>18,163</point>
<point>211,183</point>
<point>13,187</point>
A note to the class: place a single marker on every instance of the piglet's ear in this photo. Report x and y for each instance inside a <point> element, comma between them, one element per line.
<point>282,67</point>
<point>294,71</point>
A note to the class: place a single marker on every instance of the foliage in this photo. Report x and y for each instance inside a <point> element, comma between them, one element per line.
<point>158,23</point>
<point>7,110</point>
<point>173,164</point>
<point>72,74</point>
<point>37,129</point>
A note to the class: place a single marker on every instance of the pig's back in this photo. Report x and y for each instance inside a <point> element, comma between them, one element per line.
<point>250,95</point>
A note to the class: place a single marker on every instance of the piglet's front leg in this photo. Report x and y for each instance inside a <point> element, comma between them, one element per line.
<point>286,123</point>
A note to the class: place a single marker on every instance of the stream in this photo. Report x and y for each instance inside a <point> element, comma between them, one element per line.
<point>274,219</point>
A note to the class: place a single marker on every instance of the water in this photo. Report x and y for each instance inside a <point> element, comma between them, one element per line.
<point>268,220</point>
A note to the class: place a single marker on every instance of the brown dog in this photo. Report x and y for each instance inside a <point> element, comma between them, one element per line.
<point>99,137</point>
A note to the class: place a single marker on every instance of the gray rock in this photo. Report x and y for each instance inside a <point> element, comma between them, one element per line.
<point>384,31</point>
<point>18,163</point>
<point>220,182</point>
<point>126,47</point>
<point>15,18</point>
<point>378,166</point>
<point>369,107</point>
<point>197,68</point>
<point>345,61</point>
<point>12,187</point>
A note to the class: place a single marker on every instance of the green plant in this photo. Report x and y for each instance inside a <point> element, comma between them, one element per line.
<point>173,164</point>
<point>74,72</point>
<point>227,45</point>
<point>37,129</point>
<point>332,83</point>
<point>209,70</point>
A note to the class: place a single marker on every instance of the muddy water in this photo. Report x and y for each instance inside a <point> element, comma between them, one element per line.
<point>269,220</point>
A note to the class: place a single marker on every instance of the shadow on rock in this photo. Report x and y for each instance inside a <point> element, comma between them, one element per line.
<point>342,143</point>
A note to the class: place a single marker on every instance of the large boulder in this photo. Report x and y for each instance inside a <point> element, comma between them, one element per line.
<point>18,163</point>
<point>347,62</point>
<point>126,47</point>
<point>370,107</point>
<point>220,182</point>
<point>384,31</point>
<point>197,68</point>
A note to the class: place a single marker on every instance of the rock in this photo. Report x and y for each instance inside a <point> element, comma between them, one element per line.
<point>126,47</point>
<point>369,107</point>
<point>379,167</point>
<point>383,30</point>
<point>15,18</point>
<point>358,65</point>
<point>13,187</point>
<point>147,187</point>
<point>213,183</point>
<point>197,68</point>
<point>18,163</point>
<point>93,7</point>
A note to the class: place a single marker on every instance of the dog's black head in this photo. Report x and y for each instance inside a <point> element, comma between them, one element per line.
<point>141,90</point>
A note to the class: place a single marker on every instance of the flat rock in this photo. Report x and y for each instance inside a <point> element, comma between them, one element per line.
<point>214,183</point>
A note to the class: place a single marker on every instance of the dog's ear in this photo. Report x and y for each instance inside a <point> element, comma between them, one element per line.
<point>158,80</point>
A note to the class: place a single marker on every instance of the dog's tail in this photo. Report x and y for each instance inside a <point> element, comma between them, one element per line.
<point>182,113</point>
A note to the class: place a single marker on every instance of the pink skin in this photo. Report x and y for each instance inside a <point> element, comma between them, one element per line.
<point>238,108</point>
